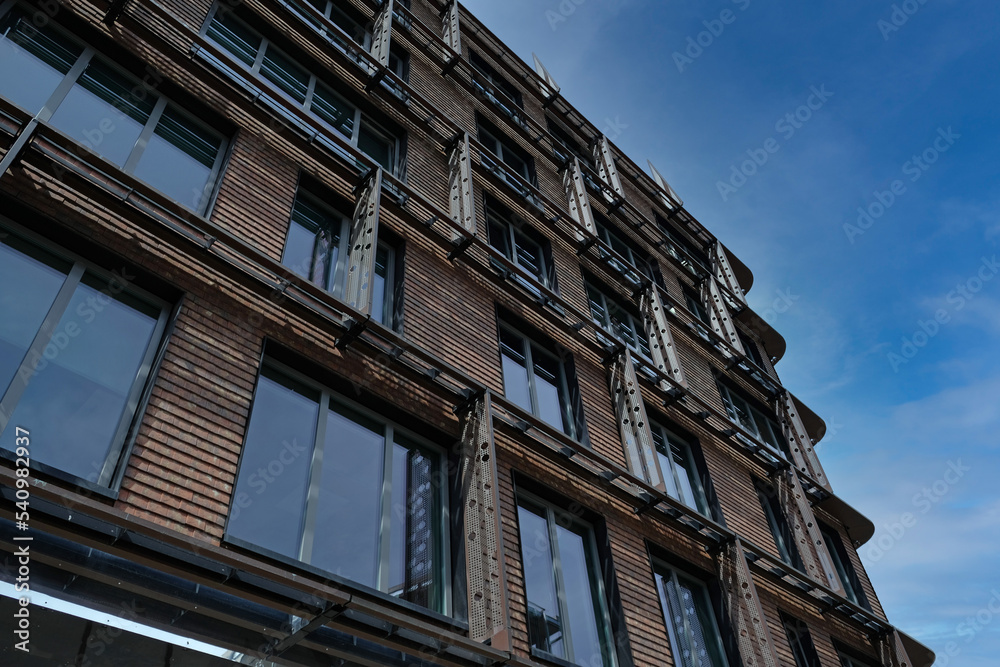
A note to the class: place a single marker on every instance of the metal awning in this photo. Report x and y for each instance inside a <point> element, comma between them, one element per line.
<point>774,342</point>
<point>815,426</point>
<point>859,528</point>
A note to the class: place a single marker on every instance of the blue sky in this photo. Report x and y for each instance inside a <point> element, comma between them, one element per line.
<point>922,84</point>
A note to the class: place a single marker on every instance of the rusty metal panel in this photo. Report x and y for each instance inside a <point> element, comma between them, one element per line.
<point>579,198</point>
<point>722,321</point>
<point>463,209</point>
<point>451,30</point>
<point>724,272</point>
<point>799,440</point>
<point>661,340</point>
<point>633,424</point>
<point>489,616</point>
<point>606,167</point>
<point>382,33</point>
<point>364,243</point>
<point>743,607</point>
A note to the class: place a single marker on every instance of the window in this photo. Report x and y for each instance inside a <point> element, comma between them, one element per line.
<point>76,348</point>
<point>614,317</point>
<point>316,249</point>
<point>516,161</point>
<point>763,427</point>
<point>112,114</point>
<point>847,660</point>
<point>636,258</point>
<point>519,243</point>
<point>800,641</point>
<point>691,625</point>
<point>695,304</point>
<point>573,147</point>
<point>681,472</point>
<point>324,482</point>
<point>496,88</point>
<point>536,380</point>
<point>305,89</point>
<point>681,248</point>
<point>776,521</point>
<point>845,569</point>
<point>567,610</point>
<point>751,349</point>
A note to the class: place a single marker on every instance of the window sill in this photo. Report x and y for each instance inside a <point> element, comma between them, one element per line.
<point>452,624</point>
<point>85,487</point>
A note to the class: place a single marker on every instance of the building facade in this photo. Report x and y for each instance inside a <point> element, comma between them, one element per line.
<point>332,334</point>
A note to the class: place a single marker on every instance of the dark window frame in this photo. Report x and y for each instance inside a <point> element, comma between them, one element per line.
<point>108,482</point>
<point>661,560</point>
<point>777,523</point>
<point>799,641</point>
<point>600,567</point>
<point>849,579</point>
<point>389,246</point>
<point>362,124</point>
<point>706,502</point>
<point>497,81</point>
<point>498,215</point>
<point>89,57</point>
<point>290,365</point>
<point>500,145</point>
<point>533,344</point>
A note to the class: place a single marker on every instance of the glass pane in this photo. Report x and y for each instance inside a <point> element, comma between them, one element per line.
<point>269,498</point>
<point>413,550</point>
<point>529,255</point>
<point>178,159</point>
<point>285,74</point>
<point>348,524</point>
<point>381,298</point>
<point>666,461</point>
<point>687,476</point>
<point>514,161</point>
<point>333,109</point>
<point>235,37</point>
<point>499,237</point>
<point>583,602</point>
<point>688,623</point>
<point>377,147</point>
<point>515,374</point>
<point>544,621</point>
<point>548,389</point>
<point>313,245</point>
<point>32,61</point>
<point>105,111</point>
<point>75,401</point>
<point>29,282</point>
<point>597,310</point>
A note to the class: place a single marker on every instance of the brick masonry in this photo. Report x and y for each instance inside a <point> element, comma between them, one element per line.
<point>182,468</point>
